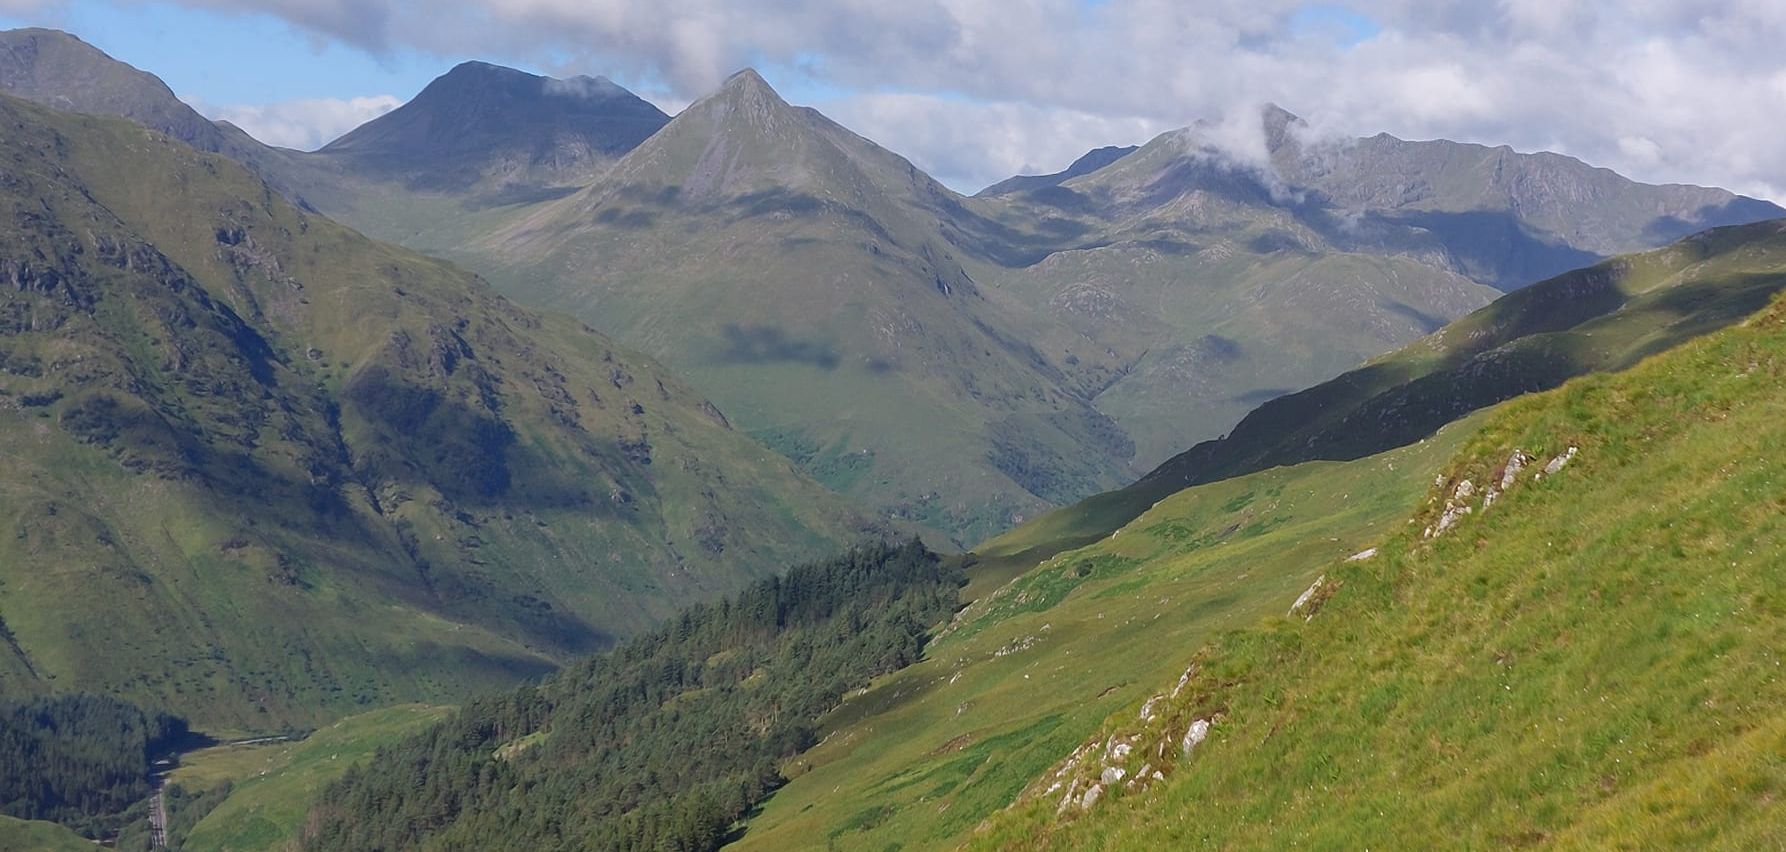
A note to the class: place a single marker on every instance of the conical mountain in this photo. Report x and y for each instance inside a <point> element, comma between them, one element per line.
<point>495,127</point>
<point>805,278</point>
<point>264,471</point>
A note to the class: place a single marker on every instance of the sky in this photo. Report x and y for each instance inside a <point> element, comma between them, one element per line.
<point>976,90</point>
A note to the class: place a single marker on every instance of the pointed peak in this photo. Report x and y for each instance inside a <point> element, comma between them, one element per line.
<point>748,83</point>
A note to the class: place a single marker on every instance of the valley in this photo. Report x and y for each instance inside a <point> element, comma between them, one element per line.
<point>537,464</point>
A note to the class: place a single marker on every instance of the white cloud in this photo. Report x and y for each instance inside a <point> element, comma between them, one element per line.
<point>1698,79</point>
<point>305,123</point>
<point>968,145</point>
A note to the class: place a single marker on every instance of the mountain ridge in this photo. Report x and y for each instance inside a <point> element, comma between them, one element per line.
<point>244,429</point>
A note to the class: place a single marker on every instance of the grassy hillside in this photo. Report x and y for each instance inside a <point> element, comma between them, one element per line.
<point>18,835</point>
<point>274,785</point>
<point>1024,673</point>
<point>1087,600</point>
<point>267,472</point>
<point>1604,317</point>
<point>1590,662</point>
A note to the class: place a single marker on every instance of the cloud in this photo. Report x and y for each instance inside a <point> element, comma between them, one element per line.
<point>969,144</point>
<point>1699,81</point>
<point>306,123</point>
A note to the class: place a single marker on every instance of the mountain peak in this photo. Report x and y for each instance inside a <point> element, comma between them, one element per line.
<point>748,85</point>
<point>481,122</point>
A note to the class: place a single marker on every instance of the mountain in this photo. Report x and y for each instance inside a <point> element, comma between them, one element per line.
<point>1605,317</point>
<point>1067,656</point>
<point>265,471</point>
<point>59,70</point>
<point>1225,273</point>
<point>1573,644</point>
<point>1093,160</point>
<point>969,362</point>
<point>475,142</point>
<point>501,131</point>
<point>799,274</point>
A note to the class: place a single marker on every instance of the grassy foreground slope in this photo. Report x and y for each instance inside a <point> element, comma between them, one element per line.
<point>20,835</point>
<point>1023,674</point>
<point>1604,317</point>
<point>1592,662</point>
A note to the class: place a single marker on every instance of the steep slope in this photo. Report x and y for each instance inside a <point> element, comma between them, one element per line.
<point>664,743</point>
<point>1587,657</point>
<point>1093,160</point>
<point>1022,675</point>
<point>265,471</point>
<point>798,274</point>
<point>1604,317</point>
<point>59,70</point>
<point>1111,611</point>
<point>501,132</point>
<point>1227,273</point>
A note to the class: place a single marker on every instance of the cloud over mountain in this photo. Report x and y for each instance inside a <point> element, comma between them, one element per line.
<point>1617,83</point>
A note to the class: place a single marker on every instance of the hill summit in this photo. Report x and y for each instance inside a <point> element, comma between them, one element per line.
<point>487,124</point>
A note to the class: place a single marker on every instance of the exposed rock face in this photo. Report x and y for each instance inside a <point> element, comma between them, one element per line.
<point>1362,555</point>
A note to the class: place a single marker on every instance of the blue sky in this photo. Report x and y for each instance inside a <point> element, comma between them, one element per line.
<point>242,57</point>
<point>974,90</point>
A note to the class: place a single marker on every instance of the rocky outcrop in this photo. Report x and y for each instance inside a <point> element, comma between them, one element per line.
<point>1460,504</point>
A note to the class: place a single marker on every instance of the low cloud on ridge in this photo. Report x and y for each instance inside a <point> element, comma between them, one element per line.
<point>1662,90</point>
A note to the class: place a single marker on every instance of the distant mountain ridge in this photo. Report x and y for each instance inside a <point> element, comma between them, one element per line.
<point>1223,277</point>
<point>1091,161</point>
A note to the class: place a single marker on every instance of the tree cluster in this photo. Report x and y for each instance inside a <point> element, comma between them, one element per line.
<point>80,760</point>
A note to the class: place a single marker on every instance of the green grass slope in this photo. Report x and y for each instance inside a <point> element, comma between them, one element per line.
<point>274,785</point>
<point>1022,674</point>
<point>265,471</point>
<point>18,835</point>
<point>1592,661</point>
<point>1604,317</point>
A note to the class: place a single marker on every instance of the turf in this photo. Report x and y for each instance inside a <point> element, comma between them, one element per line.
<point>1592,663</point>
<point>1024,673</point>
